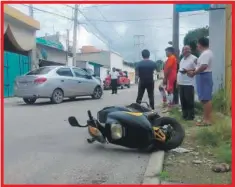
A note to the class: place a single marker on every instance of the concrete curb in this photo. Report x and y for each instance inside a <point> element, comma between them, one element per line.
<point>154,168</point>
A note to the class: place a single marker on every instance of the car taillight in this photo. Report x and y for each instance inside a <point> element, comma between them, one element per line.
<point>40,80</point>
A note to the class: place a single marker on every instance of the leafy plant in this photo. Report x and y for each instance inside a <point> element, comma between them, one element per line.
<point>192,37</point>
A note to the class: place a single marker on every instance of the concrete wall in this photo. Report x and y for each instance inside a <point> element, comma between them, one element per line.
<point>53,54</point>
<point>217,45</point>
<point>116,61</point>
<point>70,61</point>
<point>81,64</point>
<point>102,58</point>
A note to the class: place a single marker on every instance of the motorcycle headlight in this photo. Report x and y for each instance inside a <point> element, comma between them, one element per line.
<point>116,131</point>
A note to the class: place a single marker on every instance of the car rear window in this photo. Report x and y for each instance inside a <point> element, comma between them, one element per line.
<point>40,71</point>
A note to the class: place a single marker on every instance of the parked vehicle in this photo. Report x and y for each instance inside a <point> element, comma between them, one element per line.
<point>123,81</point>
<point>91,73</point>
<point>133,126</point>
<point>56,83</point>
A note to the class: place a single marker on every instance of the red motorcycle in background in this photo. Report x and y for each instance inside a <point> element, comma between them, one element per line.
<point>123,81</point>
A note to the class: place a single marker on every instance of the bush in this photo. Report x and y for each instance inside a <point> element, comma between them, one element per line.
<point>219,101</point>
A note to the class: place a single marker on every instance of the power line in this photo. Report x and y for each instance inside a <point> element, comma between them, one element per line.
<point>146,19</point>
<point>65,17</point>
<point>93,6</point>
<point>110,23</point>
<point>94,27</point>
<point>48,12</point>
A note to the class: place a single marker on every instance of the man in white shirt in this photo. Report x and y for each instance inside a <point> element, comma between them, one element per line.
<point>186,83</point>
<point>204,80</point>
<point>114,80</point>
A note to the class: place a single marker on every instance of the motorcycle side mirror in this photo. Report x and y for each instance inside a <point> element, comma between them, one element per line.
<point>73,121</point>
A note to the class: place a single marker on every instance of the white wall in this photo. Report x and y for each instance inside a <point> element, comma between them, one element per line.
<point>52,54</point>
<point>217,45</point>
<point>70,61</point>
<point>103,73</point>
<point>116,61</point>
<point>89,66</point>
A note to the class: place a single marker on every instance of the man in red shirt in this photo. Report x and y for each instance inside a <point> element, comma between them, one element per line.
<point>170,73</point>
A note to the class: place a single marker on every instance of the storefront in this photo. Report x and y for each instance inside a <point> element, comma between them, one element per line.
<point>19,46</point>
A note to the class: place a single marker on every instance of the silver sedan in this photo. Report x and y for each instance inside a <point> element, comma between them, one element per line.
<point>56,83</point>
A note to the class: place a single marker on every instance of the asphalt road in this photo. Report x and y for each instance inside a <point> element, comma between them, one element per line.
<point>41,147</point>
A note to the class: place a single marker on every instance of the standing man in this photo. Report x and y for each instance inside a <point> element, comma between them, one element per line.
<point>145,70</point>
<point>114,80</point>
<point>170,73</point>
<point>186,83</point>
<point>204,81</point>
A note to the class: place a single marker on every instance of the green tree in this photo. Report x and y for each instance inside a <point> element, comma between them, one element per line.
<point>192,37</point>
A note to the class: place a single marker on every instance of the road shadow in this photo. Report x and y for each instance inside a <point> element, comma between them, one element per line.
<point>43,103</point>
<point>118,149</point>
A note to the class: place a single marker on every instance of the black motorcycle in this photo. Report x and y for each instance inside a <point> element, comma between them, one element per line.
<point>133,126</point>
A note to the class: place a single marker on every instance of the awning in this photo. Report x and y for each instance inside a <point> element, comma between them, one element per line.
<point>20,28</point>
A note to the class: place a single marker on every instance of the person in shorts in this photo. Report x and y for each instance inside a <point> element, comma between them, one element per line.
<point>204,81</point>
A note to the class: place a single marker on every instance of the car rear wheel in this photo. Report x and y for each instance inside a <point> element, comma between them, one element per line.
<point>29,101</point>
<point>98,92</point>
<point>57,96</point>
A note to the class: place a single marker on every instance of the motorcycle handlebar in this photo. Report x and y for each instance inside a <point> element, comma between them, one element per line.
<point>89,115</point>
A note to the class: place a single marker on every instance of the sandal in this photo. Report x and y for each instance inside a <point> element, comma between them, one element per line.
<point>221,168</point>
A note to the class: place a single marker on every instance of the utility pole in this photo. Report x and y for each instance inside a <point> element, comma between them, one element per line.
<point>175,37</point>
<point>75,29</point>
<point>67,45</point>
<point>175,44</point>
<point>31,11</point>
<point>32,54</point>
<point>138,45</point>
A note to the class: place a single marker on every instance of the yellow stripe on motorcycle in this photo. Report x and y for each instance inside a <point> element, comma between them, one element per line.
<point>159,135</point>
<point>135,113</point>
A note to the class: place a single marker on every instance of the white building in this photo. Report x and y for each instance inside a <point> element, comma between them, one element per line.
<point>100,61</point>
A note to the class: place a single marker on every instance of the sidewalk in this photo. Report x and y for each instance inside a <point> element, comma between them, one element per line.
<point>11,100</point>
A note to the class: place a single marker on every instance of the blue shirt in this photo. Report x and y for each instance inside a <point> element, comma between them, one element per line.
<point>145,70</point>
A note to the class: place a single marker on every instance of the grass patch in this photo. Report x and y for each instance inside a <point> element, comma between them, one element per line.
<point>224,153</point>
<point>217,137</point>
<point>164,175</point>
<point>219,101</point>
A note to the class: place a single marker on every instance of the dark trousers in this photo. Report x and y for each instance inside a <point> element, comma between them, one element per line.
<point>149,86</point>
<point>187,101</point>
<point>176,94</point>
<point>114,86</point>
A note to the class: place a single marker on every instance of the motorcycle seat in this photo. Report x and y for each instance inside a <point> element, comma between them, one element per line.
<point>152,114</point>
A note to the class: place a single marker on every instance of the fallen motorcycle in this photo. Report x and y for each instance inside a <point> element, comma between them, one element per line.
<point>133,126</point>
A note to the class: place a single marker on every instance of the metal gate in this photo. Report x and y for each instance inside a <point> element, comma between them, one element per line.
<point>14,65</point>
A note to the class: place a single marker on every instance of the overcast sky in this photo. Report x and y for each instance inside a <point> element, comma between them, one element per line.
<point>116,25</point>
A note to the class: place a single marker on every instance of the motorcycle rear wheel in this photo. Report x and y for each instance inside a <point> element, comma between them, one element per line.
<point>176,139</point>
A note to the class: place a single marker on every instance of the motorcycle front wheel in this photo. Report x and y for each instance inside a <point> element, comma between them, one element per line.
<point>174,138</point>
